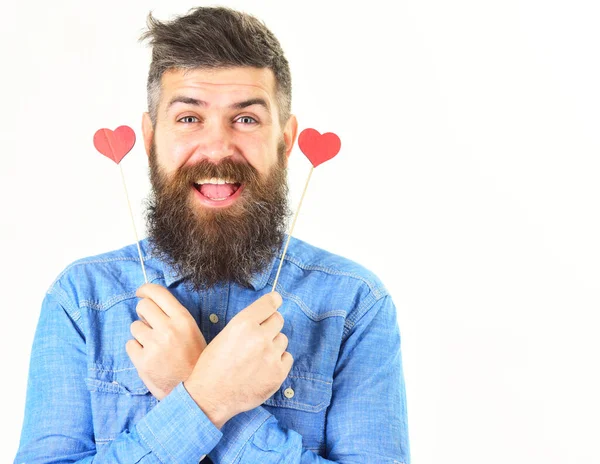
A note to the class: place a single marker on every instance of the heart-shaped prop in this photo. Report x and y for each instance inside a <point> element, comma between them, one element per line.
<point>115,144</point>
<point>319,148</point>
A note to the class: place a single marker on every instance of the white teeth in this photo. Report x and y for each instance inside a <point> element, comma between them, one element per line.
<point>215,180</point>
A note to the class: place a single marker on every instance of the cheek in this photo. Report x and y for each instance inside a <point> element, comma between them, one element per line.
<point>180,153</point>
<point>175,152</point>
<point>258,152</point>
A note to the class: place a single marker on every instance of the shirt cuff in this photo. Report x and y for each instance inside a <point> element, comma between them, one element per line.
<point>177,430</point>
<point>237,431</point>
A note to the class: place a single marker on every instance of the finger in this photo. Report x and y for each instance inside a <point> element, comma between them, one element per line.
<point>134,350</point>
<point>262,308</point>
<point>141,332</point>
<point>151,313</point>
<point>287,361</point>
<point>273,324</point>
<point>163,298</point>
<point>280,342</point>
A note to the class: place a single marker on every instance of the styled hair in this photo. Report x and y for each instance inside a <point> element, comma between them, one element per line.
<point>215,37</point>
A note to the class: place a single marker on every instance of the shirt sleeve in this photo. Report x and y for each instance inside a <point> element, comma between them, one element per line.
<point>366,420</point>
<point>57,425</point>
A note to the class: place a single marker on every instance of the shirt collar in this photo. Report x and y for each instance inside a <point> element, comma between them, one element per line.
<point>171,275</point>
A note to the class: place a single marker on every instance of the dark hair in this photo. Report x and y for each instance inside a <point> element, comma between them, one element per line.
<point>215,37</point>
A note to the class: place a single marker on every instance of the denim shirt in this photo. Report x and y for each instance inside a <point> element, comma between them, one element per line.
<point>343,400</point>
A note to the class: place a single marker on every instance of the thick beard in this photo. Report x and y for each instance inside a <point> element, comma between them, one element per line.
<point>216,245</point>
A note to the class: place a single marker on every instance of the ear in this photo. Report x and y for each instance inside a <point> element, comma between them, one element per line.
<point>289,135</point>
<point>147,131</point>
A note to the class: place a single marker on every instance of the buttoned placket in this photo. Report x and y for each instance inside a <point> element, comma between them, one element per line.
<point>215,309</point>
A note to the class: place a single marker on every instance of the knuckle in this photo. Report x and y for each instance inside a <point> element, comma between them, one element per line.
<point>266,340</point>
<point>270,300</point>
<point>129,347</point>
<point>279,316</point>
<point>141,305</point>
<point>132,328</point>
<point>275,299</point>
<point>289,357</point>
<point>141,290</point>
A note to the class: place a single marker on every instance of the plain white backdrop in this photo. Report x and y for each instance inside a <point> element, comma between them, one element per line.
<point>467,180</point>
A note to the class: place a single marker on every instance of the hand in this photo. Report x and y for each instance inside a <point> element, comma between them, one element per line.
<point>167,340</point>
<point>244,364</point>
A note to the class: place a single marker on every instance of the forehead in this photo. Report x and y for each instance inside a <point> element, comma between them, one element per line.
<point>221,84</point>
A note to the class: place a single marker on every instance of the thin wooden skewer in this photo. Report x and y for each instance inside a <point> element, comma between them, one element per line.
<point>133,223</point>
<point>292,229</point>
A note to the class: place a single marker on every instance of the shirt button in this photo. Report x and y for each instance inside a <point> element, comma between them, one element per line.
<point>214,318</point>
<point>289,393</point>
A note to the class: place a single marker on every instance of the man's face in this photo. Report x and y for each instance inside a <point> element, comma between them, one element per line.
<point>218,158</point>
<point>216,114</point>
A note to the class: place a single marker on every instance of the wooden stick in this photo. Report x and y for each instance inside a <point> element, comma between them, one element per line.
<point>133,223</point>
<point>292,229</point>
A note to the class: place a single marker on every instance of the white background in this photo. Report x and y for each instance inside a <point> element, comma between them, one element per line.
<point>467,180</point>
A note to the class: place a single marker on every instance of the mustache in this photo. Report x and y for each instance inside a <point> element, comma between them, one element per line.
<point>226,168</point>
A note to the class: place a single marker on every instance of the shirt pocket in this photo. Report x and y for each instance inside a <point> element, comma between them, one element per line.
<point>119,399</point>
<point>301,404</point>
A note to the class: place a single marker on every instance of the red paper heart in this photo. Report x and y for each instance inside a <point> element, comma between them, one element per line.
<point>115,144</point>
<point>319,148</point>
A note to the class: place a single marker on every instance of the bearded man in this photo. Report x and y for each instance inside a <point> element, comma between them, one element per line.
<point>204,362</point>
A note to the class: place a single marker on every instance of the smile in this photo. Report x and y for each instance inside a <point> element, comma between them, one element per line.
<point>217,192</point>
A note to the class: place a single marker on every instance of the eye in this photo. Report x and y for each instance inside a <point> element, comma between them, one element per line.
<point>247,120</point>
<point>188,119</point>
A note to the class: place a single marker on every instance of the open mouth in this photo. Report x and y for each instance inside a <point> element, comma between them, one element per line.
<point>216,190</point>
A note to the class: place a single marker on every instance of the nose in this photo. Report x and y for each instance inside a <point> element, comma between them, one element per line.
<point>215,142</point>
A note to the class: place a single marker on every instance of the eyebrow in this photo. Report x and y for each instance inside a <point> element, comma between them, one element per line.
<point>236,106</point>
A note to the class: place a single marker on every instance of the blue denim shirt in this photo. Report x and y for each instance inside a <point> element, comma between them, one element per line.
<point>345,398</point>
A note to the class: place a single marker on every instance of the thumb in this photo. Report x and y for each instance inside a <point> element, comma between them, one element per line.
<point>262,308</point>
